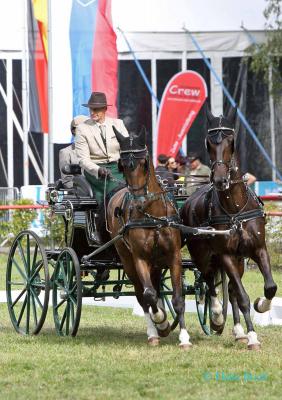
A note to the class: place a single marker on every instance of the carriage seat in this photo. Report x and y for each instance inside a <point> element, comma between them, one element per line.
<point>80,184</point>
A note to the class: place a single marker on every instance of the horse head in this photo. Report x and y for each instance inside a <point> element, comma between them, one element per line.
<point>220,146</point>
<point>134,159</point>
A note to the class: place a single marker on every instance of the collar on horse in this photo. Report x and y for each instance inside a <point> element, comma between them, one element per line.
<point>232,219</point>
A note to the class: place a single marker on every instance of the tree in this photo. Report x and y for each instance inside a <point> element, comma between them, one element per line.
<point>267,56</point>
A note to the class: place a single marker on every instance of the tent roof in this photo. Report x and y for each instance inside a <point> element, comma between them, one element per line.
<point>197,15</point>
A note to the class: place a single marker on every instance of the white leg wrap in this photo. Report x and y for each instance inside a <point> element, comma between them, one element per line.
<point>252,338</point>
<point>264,305</point>
<point>158,317</point>
<point>151,329</point>
<point>216,309</point>
<point>238,332</point>
<point>184,337</point>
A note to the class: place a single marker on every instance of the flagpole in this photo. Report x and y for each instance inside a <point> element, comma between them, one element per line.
<point>50,97</point>
<point>25,96</point>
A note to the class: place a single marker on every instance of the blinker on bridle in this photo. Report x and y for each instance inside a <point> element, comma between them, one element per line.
<point>216,135</point>
<point>131,157</point>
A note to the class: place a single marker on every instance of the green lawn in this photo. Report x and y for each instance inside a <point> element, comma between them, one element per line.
<point>110,359</point>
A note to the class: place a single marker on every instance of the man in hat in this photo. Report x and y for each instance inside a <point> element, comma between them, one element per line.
<point>68,154</point>
<point>97,148</point>
<point>196,169</point>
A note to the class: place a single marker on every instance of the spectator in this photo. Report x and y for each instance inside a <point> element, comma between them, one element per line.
<point>162,170</point>
<point>196,169</point>
<point>172,167</point>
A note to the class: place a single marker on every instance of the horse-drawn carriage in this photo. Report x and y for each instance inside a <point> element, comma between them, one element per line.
<point>140,256</point>
<point>69,274</point>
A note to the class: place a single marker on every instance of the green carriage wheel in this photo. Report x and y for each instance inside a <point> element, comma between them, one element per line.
<point>27,283</point>
<point>203,303</point>
<point>166,287</point>
<point>67,293</point>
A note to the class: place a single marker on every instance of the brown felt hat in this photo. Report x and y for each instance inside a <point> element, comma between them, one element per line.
<point>97,100</point>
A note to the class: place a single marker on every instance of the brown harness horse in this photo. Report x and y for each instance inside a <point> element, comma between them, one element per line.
<point>148,244</point>
<point>228,202</point>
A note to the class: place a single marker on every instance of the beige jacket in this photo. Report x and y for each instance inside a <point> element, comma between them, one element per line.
<point>89,146</point>
<point>67,156</point>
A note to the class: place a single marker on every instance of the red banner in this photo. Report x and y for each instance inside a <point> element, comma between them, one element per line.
<point>183,98</point>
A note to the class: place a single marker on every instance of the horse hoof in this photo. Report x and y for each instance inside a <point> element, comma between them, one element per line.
<point>242,340</point>
<point>217,328</point>
<point>255,347</point>
<point>185,346</point>
<point>262,305</point>
<point>164,332</point>
<point>256,305</point>
<point>153,341</point>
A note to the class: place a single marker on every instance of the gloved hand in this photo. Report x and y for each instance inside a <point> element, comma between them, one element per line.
<point>104,172</point>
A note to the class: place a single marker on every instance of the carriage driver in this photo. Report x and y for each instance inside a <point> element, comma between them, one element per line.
<point>96,146</point>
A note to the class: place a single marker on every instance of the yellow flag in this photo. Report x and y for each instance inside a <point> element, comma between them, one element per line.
<point>41,14</point>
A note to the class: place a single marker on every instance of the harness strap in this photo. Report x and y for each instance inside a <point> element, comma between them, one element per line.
<point>235,218</point>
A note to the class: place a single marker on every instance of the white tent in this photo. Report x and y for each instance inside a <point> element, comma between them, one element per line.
<point>154,31</point>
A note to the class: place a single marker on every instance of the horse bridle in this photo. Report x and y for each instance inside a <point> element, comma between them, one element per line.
<point>219,133</point>
<point>131,157</point>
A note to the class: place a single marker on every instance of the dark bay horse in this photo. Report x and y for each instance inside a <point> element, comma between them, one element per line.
<point>228,202</point>
<point>150,245</point>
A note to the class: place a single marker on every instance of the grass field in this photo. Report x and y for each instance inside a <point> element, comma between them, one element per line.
<point>110,359</point>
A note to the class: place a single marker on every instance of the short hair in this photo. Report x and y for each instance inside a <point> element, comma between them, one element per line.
<point>79,119</point>
<point>162,158</point>
<point>193,156</point>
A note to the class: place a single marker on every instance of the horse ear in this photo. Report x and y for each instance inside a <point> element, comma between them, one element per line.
<point>232,115</point>
<point>142,136</point>
<point>209,115</point>
<point>119,136</point>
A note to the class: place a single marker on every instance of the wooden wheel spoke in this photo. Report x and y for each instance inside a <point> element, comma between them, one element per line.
<point>63,319</point>
<point>36,272</point>
<point>23,257</point>
<point>22,311</point>
<point>68,318</point>
<point>73,300</point>
<point>28,255</point>
<point>16,283</point>
<point>73,288</point>
<point>60,304</point>
<point>18,298</point>
<point>34,310</point>
<point>59,286</point>
<point>37,298</point>
<point>62,269</point>
<point>71,314</point>
<point>39,285</point>
<point>28,312</point>
<point>23,275</point>
<point>34,256</point>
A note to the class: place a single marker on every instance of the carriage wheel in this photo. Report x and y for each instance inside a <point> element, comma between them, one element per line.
<point>203,303</point>
<point>27,283</point>
<point>67,293</point>
<point>166,300</point>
